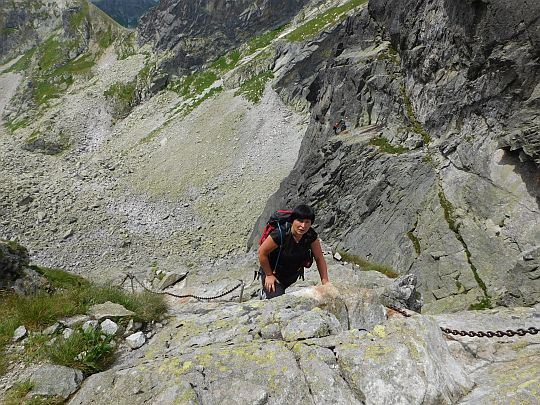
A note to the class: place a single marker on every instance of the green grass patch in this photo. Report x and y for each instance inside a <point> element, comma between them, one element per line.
<point>74,295</point>
<point>386,147</point>
<point>252,89</point>
<point>105,38</point>
<point>194,84</point>
<point>197,102</point>
<point>484,303</point>
<point>16,124</point>
<point>263,40</point>
<point>88,351</point>
<point>24,62</point>
<point>80,65</point>
<point>51,53</point>
<point>391,54</point>
<point>366,265</point>
<point>16,394</point>
<point>332,16</point>
<point>62,279</point>
<point>226,62</point>
<point>122,94</point>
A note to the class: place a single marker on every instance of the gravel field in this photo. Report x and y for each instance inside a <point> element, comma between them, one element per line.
<point>152,190</point>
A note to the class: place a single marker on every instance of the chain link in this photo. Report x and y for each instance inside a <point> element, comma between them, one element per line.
<point>489,334</point>
<point>133,277</point>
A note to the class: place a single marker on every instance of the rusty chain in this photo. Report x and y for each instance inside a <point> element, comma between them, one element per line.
<point>133,277</point>
<point>498,333</point>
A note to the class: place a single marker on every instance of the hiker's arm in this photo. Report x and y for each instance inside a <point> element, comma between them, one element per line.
<point>321,262</point>
<point>264,251</point>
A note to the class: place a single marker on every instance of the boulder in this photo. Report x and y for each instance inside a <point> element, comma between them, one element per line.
<point>13,259</point>
<point>136,340</point>
<point>19,333</point>
<point>55,381</point>
<point>109,327</point>
<point>109,310</point>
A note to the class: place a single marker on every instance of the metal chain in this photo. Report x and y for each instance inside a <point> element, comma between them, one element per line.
<point>498,333</point>
<point>133,277</point>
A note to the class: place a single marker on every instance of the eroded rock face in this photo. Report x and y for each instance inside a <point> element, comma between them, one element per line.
<point>437,173</point>
<point>196,32</point>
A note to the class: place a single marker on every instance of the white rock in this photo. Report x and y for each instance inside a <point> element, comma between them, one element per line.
<point>337,256</point>
<point>136,340</point>
<point>51,330</point>
<point>109,327</point>
<point>19,333</point>
<point>68,332</point>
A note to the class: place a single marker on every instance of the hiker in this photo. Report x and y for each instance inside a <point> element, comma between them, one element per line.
<point>284,253</point>
<point>335,127</point>
<point>339,125</point>
<point>342,125</point>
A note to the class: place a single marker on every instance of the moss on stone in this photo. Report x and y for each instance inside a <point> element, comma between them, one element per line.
<point>415,241</point>
<point>415,125</point>
<point>385,146</point>
<point>367,265</point>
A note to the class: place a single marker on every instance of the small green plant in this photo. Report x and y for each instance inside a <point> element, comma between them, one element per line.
<point>252,89</point>
<point>369,266</point>
<point>391,54</point>
<point>386,147</point>
<point>74,295</point>
<point>317,24</point>
<point>87,351</point>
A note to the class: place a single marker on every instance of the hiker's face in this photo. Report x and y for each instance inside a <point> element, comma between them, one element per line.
<point>301,226</point>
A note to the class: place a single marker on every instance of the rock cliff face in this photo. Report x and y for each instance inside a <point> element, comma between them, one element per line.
<point>23,24</point>
<point>195,32</point>
<point>125,12</point>
<point>438,171</point>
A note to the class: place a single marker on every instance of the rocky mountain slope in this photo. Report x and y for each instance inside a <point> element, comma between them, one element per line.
<point>438,171</point>
<point>195,32</point>
<point>116,157</point>
<point>436,174</point>
<point>126,13</point>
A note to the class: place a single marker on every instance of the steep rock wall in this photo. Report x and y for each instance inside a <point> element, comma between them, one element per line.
<point>125,12</point>
<point>448,92</point>
<point>24,24</point>
<point>195,32</point>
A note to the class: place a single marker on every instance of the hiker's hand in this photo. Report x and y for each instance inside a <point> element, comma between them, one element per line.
<point>270,283</point>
